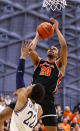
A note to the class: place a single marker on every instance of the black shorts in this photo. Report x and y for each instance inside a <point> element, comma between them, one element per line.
<point>49,117</point>
<point>49,120</point>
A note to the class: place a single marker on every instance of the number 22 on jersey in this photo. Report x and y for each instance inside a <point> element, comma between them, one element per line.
<point>30,121</point>
<point>46,71</point>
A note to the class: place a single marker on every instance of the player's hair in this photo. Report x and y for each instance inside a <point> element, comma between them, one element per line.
<point>38,93</point>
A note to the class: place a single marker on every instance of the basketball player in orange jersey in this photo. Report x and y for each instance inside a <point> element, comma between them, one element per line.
<point>48,72</point>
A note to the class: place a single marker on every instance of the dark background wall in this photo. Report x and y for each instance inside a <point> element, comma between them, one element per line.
<point>18,21</point>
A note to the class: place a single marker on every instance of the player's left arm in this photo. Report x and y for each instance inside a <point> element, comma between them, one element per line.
<point>21,67</point>
<point>5,114</point>
<point>62,61</point>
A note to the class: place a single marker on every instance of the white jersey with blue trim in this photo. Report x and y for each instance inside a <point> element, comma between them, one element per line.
<point>26,118</point>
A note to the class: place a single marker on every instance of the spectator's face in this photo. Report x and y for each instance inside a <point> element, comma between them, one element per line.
<point>75,120</point>
<point>2,98</point>
<point>58,108</point>
<point>67,109</point>
<point>65,120</point>
<point>3,103</point>
<point>76,112</point>
<point>7,97</point>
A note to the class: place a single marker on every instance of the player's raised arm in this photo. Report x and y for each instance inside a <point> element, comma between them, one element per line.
<point>34,41</point>
<point>63,51</point>
<point>21,67</point>
<point>33,54</point>
<point>35,58</point>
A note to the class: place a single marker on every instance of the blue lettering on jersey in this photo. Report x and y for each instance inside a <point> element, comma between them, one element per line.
<point>30,117</point>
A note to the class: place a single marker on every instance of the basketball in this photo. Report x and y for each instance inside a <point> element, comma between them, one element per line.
<point>45,30</point>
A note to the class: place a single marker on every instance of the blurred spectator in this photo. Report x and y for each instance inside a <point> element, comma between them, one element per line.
<point>36,128</point>
<point>77,107</point>
<point>1,99</point>
<point>67,113</point>
<point>7,100</point>
<point>64,126</point>
<point>6,125</point>
<point>74,122</point>
<point>76,127</point>
<point>76,115</point>
<point>42,126</point>
<point>2,105</point>
<point>39,127</point>
<point>59,113</point>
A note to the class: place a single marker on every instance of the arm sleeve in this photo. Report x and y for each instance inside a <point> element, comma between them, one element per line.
<point>20,74</point>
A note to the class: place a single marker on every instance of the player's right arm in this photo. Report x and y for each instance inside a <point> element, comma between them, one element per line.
<point>33,54</point>
<point>35,58</point>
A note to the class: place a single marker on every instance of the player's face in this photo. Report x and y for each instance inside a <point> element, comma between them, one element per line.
<point>52,52</point>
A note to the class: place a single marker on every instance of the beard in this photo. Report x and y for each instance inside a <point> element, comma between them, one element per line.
<point>50,56</point>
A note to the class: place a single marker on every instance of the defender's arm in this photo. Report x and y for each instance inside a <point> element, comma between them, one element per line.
<point>5,114</point>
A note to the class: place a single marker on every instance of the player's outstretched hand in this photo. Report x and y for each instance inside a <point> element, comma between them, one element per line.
<point>55,23</point>
<point>37,35</point>
<point>25,49</point>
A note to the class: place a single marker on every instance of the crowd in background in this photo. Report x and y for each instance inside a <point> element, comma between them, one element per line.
<point>66,121</point>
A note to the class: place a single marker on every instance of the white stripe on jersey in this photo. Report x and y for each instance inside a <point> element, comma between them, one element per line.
<point>24,119</point>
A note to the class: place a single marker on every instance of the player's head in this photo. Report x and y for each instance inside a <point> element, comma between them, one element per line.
<point>52,53</point>
<point>36,92</point>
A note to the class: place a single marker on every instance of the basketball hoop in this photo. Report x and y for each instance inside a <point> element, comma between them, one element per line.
<point>54,4</point>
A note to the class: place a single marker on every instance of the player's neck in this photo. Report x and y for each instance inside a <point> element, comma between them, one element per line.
<point>51,60</point>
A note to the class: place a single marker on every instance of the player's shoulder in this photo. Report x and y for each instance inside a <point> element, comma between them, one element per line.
<point>42,60</point>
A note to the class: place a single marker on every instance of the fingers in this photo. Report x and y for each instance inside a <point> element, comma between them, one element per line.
<point>25,43</point>
<point>52,20</point>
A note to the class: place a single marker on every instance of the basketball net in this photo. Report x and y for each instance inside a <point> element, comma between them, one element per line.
<point>54,4</point>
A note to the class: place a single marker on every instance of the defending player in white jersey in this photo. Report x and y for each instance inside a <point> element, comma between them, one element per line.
<point>26,111</point>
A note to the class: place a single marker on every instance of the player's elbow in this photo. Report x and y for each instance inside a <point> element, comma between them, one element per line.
<point>64,45</point>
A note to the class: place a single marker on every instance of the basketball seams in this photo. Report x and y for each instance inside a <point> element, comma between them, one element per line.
<point>45,30</point>
<point>47,27</point>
